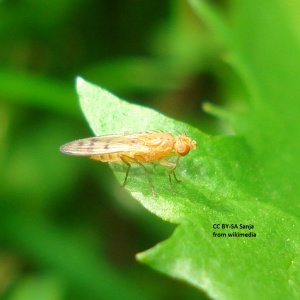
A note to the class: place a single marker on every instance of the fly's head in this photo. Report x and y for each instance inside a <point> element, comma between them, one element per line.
<point>183,145</point>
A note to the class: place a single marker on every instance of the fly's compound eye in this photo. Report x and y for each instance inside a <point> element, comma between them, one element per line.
<point>182,149</point>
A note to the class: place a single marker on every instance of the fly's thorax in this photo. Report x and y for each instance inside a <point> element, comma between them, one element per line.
<point>155,146</point>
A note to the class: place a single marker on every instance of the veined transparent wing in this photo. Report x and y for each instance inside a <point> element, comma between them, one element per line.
<point>106,144</point>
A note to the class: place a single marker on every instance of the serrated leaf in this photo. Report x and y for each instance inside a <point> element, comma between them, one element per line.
<point>223,183</point>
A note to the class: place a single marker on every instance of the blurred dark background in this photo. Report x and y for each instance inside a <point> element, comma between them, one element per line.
<point>67,230</point>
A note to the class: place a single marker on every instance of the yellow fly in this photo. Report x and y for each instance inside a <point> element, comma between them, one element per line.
<point>133,148</point>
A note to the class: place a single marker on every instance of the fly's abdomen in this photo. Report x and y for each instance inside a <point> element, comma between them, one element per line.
<point>110,157</point>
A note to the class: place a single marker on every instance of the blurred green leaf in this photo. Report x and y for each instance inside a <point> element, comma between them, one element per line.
<point>223,183</point>
<point>74,257</point>
<point>124,74</point>
<point>32,161</point>
<point>31,90</point>
<point>36,288</point>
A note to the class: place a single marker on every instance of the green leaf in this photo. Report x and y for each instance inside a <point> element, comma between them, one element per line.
<point>36,288</point>
<point>46,93</point>
<point>223,182</point>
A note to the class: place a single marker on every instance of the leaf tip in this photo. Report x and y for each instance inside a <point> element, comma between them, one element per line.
<point>79,82</point>
<point>140,256</point>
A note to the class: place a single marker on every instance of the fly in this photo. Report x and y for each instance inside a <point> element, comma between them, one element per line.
<point>136,148</point>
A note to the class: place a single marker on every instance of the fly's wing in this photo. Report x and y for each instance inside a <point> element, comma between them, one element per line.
<point>105,144</point>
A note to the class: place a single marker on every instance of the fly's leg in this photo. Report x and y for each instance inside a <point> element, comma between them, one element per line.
<point>172,171</point>
<point>126,159</point>
<point>123,158</point>
<point>147,173</point>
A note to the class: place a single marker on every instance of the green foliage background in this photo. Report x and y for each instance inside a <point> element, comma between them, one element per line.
<point>68,231</point>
